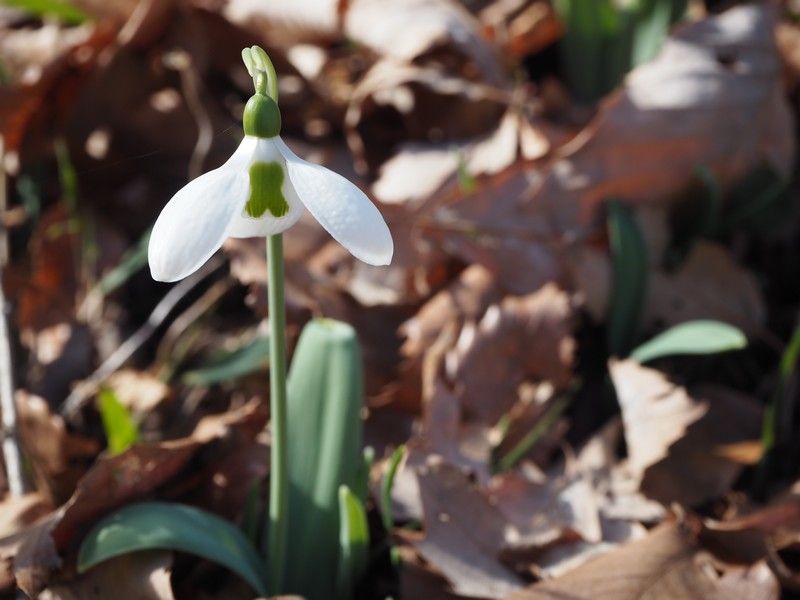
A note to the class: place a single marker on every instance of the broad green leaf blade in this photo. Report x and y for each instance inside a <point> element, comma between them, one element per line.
<point>353,541</point>
<point>164,526</point>
<point>324,451</point>
<point>118,424</point>
<point>387,484</point>
<point>692,337</point>
<point>629,259</point>
<point>63,11</point>
<point>248,359</point>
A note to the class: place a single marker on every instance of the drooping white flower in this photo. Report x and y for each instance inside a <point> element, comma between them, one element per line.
<point>262,190</point>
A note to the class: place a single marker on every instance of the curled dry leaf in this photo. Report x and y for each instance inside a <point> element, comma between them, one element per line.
<point>674,437</point>
<point>58,458</point>
<point>417,170</point>
<point>438,32</point>
<point>398,103</point>
<point>709,285</point>
<point>711,97</point>
<point>520,27</point>
<point>668,563</point>
<point>136,576</point>
<point>113,481</point>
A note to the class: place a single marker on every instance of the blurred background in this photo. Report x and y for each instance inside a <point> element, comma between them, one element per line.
<point>564,180</point>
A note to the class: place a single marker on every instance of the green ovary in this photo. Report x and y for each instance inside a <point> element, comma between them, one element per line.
<point>266,180</point>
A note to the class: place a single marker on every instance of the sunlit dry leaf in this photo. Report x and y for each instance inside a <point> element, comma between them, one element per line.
<point>520,27</point>
<point>17,512</point>
<point>58,458</point>
<point>136,576</point>
<point>438,32</point>
<point>711,97</point>
<point>672,436</point>
<point>418,170</point>
<point>665,564</point>
<point>25,51</point>
<point>519,339</point>
<point>546,513</point>
<point>397,103</point>
<point>463,533</point>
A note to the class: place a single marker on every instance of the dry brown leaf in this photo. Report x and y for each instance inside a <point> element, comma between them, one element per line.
<point>547,512</point>
<point>436,32</point>
<point>711,97</point>
<point>709,285</point>
<point>140,392</point>
<point>58,458</point>
<point>463,533</point>
<point>397,103</point>
<point>673,436</point>
<point>417,170</point>
<point>17,512</point>
<point>520,27</point>
<point>136,576</point>
<point>519,339</point>
<point>665,564</point>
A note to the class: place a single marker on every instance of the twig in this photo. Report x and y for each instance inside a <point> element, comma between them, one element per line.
<point>8,430</point>
<point>120,356</point>
<point>191,83</point>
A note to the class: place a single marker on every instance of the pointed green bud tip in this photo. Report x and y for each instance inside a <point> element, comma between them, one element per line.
<point>262,117</point>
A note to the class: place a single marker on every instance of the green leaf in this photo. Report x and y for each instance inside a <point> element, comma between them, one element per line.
<point>63,11</point>
<point>325,397</point>
<point>118,424</point>
<point>164,526</point>
<point>387,484</point>
<point>250,358</point>
<point>629,259</point>
<point>692,337</point>
<point>353,541</point>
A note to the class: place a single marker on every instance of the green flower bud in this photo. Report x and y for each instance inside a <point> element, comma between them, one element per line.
<point>262,117</point>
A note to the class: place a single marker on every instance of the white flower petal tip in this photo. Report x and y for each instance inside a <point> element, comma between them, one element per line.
<point>341,208</point>
<point>194,223</point>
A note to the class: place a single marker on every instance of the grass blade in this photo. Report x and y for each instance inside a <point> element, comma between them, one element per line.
<point>353,541</point>
<point>387,484</point>
<point>119,426</point>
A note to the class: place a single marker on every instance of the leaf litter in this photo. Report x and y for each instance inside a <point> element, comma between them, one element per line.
<point>537,467</point>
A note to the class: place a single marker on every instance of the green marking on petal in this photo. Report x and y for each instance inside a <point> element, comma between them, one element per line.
<point>266,180</point>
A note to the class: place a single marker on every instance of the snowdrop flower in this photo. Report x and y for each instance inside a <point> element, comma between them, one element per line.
<point>262,190</point>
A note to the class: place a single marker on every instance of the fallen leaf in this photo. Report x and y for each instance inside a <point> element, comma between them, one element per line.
<point>58,458</point>
<point>519,339</point>
<point>668,563</point>
<point>396,103</point>
<point>136,576</point>
<point>463,533</point>
<point>673,436</point>
<point>709,285</point>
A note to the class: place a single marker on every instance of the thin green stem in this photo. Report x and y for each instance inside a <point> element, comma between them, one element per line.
<point>279,484</point>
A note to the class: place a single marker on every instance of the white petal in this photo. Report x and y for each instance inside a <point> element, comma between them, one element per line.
<point>341,208</point>
<point>194,223</point>
<point>243,225</point>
